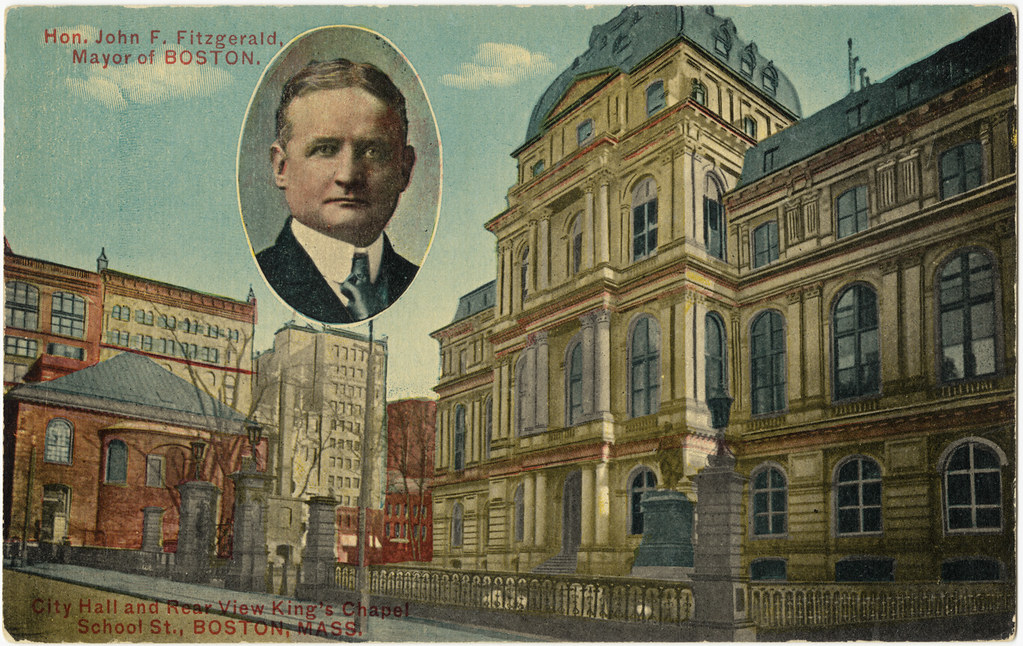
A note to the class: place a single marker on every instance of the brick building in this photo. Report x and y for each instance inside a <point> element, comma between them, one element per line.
<point>85,452</point>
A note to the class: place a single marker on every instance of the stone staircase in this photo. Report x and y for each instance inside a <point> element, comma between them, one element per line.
<point>562,563</point>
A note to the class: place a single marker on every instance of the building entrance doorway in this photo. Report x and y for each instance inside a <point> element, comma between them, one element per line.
<point>571,518</point>
<point>55,511</point>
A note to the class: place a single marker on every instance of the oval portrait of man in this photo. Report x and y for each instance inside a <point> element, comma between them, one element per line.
<point>339,168</point>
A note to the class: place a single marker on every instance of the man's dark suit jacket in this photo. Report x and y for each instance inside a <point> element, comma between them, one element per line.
<point>294,276</point>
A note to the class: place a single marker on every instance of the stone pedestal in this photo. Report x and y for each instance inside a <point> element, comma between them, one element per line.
<point>152,529</point>
<point>666,551</point>
<point>249,552</point>
<point>197,531</point>
<point>720,587</point>
<point>318,557</point>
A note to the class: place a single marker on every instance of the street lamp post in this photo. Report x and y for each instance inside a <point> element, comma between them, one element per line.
<point>254,430</point>
<point>720,405</point>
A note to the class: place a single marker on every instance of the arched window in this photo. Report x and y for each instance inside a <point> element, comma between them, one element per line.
<point>858,497</point>
<point>456,525</point>
<point>459,450</point>
<point>576,244</point>
<point>769,492</point>
<point>644,219</point>
<point>59,442</point>
<point>645,364</point>
<point>524,274</point>
<point>644,480</point>
<point>714,219</point>
<point>520,514</point>
<point>767,350</point>
<point>574,380</point>
<point>765,244</point>
<point>973,488</point>
<point>21,306</point>
<point>117,462</point>
<point>67,316</point>
<point>852,212</point>
<point>488,426</point>
<point>655,100</point>
<point>961,169</point>
<point>699,92</point>
<point>749,127</point>
<point>966,298</point>
<point>770,79</point>
<point>715,350</point>
<point>857,360</point>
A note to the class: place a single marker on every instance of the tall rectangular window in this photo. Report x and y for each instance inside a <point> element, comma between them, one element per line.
<point>154,470</point>
<point>960,169</point>
<point>852,211</point>
<point>21,306</point>
<point>714,227</point>
<point>765,244</point>
<point>68,315</point>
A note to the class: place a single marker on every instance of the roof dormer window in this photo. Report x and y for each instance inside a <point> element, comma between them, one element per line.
<point>770,79</point>
<point>584,132</point>
<point>722,42</point>
<point>537,168</point>
<point>655,100</point>
<point>748,62</point>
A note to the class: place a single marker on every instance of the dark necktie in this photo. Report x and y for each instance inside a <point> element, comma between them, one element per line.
<point>364,298</point>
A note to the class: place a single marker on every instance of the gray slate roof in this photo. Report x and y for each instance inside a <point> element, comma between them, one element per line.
<point>479,299</point>
<point>949,67</point>
<point>128,382</point>
<point>624,42</point>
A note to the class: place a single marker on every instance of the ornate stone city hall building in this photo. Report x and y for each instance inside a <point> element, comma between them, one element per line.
<point>676,232</point>
<point>573,383</point>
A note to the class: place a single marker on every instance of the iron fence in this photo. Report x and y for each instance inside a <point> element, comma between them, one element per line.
<point>631,600</point>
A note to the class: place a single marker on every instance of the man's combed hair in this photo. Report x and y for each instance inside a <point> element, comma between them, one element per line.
<point>338,74</point>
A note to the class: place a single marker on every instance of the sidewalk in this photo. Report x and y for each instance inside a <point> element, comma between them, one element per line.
<point>204,607</point>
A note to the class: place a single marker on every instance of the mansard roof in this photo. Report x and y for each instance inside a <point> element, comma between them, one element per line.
<point>992,45</point>
<point>627,41</point>
<point>133,385</point>
<point>479,299</point>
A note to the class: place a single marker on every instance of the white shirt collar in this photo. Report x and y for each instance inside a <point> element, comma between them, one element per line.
<point>333,257</point>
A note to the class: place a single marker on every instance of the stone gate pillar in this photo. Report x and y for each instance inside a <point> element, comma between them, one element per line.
<point>249,553</point>
<point>720,587</point>
<point>197,530</point>
<point>318,557</point>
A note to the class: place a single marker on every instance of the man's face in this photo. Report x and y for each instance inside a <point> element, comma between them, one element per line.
<point>345,164</point>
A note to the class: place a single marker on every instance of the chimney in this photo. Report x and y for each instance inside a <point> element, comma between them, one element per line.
<point>101,262</point>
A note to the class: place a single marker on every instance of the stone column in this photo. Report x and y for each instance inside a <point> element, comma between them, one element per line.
<point>197,531</point>
<point>503,396</point>
<point>588,230</point>
<point>602,364</point>
<point>720,587</point>
<point>794,347</point>
<point>249,555</point>
<point>541,380</point>
<point>813,335</point>
<point>529,502</point>
<point>586,506</point>
<point>603,217</point>
<point>589,377</point>
<point>888,311</point>
<point>152,529</point>
<point>318,558</point>
<point>540,521</point>
<point>543,254</point>
<point>602,510</point>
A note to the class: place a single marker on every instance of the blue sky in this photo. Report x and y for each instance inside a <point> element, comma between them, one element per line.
<point>141,160</point>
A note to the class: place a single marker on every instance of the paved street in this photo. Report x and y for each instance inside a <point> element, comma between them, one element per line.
<point>101,606</point>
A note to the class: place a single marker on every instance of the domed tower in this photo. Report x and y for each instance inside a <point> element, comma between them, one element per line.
<point>614,284</point>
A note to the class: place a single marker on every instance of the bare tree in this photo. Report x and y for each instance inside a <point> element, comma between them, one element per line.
<point>408,454</point>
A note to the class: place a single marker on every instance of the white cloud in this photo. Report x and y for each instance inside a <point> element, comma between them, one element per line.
<point>118,85</point>
<point>498,65</point>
